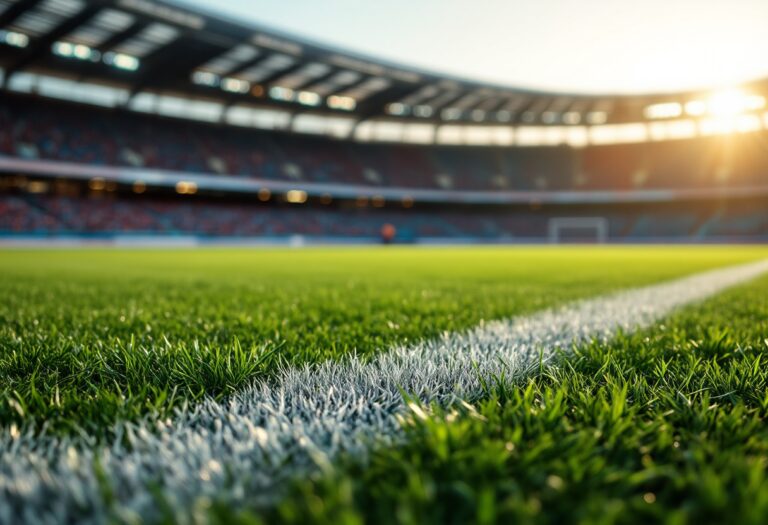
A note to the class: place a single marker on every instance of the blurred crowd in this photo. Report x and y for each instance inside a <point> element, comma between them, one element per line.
<point>34,130</point>
<point>57,215</point>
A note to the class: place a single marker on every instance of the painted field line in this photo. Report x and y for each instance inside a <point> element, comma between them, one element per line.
<point>249,446</point>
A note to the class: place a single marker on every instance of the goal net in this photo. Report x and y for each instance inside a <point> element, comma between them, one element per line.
<point>578,230</point>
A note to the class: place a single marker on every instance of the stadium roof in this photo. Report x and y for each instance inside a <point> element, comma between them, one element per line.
<point>151,47</point>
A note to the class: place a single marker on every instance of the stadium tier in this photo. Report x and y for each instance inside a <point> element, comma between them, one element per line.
<point>108,216</point>
<point>35,129</point>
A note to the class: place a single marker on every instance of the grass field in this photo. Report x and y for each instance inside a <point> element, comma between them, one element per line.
<point>664,426</point>
<point>667,424</point>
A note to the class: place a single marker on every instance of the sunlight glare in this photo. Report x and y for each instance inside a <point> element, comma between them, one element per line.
<point>732,102</point>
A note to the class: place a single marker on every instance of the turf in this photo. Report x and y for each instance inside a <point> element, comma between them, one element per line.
<point>664,426</point>
<point>88,337</point>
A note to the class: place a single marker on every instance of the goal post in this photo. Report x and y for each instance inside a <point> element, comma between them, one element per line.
<point>578,230</point>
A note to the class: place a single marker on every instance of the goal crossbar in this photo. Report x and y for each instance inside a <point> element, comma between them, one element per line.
<point>597,225</point>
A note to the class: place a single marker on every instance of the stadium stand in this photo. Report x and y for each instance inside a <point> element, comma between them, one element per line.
<point>99,217</point>
<point>54,131</point>
<point>149,118</point>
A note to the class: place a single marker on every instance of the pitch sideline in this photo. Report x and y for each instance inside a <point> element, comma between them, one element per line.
<point>275,430</point>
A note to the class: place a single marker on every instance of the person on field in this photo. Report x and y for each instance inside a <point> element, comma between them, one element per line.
<point>388,233</point>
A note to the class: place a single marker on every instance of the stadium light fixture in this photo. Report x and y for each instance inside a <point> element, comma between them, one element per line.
<point>538,136</point>
<point>264,194</point>
<point>308,98</point>
<point>341,102</point>
<point>504,115</point>
<point>97,184</point>
<point>577,137</point>
<point>205,78</point>
<point>748,123</point>
<point>451,114</point>
<point>397,108</point>
<point>296,196</point>
<point>235,85</point>
<point>696,108</point>
<point>549,117</point>
<point>755,102</point>
<point>672,129</point>
<point>14,39</point>
<point>571,117</point>
<point>37,186</point>
<point>423,111</point>
<point>476,135</point>
<point>726,103</point>
<point>282,93</point>
<point>502,135</point>
<point>121,61</point>
<point>733,102</point>
<point>597,117</point>
<point>450,134</point>
<point>184,187</point>
<point>663,110</point>
<point>84,52</point>
<point>78,51</point>
<point>417,133</point>
<point>62,49</point>
<point>619,133</point>
<point>730,124</point>
<point>478,115</point>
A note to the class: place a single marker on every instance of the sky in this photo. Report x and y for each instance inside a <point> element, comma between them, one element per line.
<point>578,46</point>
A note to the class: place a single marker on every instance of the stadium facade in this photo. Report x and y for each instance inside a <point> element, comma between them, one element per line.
<point>134,119</point>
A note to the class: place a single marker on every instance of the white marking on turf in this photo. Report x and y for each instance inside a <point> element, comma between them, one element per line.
<point>249,446</point>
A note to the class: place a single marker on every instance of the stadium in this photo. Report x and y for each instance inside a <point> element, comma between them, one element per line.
<point>201,323</point>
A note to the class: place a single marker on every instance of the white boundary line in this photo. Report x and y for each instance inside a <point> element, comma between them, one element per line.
<point>249,446</point>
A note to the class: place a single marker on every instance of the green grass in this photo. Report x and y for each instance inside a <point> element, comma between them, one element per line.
<point>88,337</point>
<point>664,426</point>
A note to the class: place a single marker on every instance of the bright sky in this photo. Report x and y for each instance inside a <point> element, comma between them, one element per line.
<point>630,46</point>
